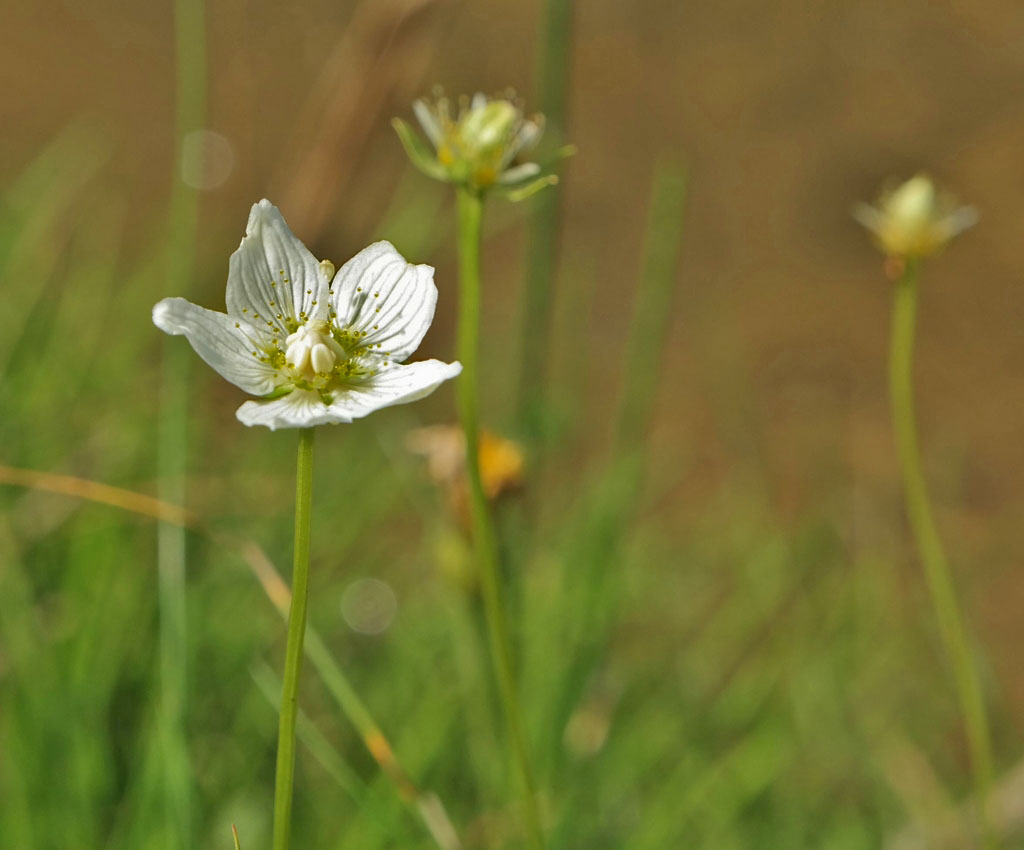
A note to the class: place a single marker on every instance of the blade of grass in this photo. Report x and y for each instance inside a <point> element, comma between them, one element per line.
<point>426,804</point>
<point>172,438</point>
<point>545,223</point>
<point>596,547</point>
<point>31,232</point>
<point>325,753</point>
<point>652,305</point>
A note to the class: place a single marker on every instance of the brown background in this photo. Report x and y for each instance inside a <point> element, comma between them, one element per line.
<point>786,113</point>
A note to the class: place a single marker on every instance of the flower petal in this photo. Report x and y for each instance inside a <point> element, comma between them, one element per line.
<point>272,276</point>
<point>298,409</point>
<point>378,293</point>
<point>397,385</point>
<point>428,121</point>
<point>526,137</point>
<point>960,219</point>
<point>871,217</point>
<point>224,343</point>
<point>519,172</point>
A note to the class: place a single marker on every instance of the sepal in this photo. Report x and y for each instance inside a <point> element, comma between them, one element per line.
<point>419,154</point>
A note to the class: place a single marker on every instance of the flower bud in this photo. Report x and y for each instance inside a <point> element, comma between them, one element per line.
<point>484,128</point>
<point>478,146</point>
<point>914,220</point>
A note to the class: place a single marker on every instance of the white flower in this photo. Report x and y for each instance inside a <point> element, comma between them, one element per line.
<point>317,350</point>
<point>914,220</point>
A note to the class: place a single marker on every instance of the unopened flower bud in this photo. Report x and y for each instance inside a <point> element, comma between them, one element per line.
<point>914,220</point>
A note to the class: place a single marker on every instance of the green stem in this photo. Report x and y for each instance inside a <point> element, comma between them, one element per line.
<point>470,213</point>
<point>293,653</point>
<point>933,558</point>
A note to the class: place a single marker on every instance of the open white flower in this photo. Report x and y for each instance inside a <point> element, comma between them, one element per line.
<point>317,350</point>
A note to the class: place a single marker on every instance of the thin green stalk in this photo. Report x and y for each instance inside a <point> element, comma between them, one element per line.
<point>293,653</point>
<point>933,558</point>
<point>172,439</point>
<point>544,225</point>
<point>470,216</point>
<point>425,804</point>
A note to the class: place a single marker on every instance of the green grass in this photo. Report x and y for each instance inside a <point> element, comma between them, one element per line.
<point>729,680</point>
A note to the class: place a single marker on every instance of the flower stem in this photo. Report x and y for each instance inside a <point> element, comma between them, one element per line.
<point>293,653</point>
<point>470,215</point>
<point>933,558</point>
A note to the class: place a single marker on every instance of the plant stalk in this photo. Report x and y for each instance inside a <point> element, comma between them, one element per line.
<point>470,216</point>
<point>285,777</point>
<point>933,558</point>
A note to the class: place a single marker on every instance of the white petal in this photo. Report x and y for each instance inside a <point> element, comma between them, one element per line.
<point>529,134</point>
<point>272,276</point>
<point>397,385</point>
<point>428,121</point>
<point>527,137</point>
<point>298,409</point>
<point>961,219</point>
<point>378,292</point>
<point>519,172</point>
<point>869,216</point>
<point>215,338</point>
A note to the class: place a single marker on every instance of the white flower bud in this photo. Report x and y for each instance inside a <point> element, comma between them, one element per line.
<point>914,220</point>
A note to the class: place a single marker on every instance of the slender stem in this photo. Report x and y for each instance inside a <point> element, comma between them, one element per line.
<point>933,558</point>
<point>293,653</point>
<point>470,212</point>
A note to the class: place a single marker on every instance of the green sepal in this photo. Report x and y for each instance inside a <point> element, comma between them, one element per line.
<point>522,191</point>
<point>279,392</point>
<point>564,152</point>
<point>530,186</point>
<point>419,154</point>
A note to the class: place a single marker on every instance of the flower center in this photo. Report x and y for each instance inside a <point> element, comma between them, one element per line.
<point>311,352</point>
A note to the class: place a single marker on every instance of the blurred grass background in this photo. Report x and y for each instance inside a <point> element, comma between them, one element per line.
<point>725,639</point>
